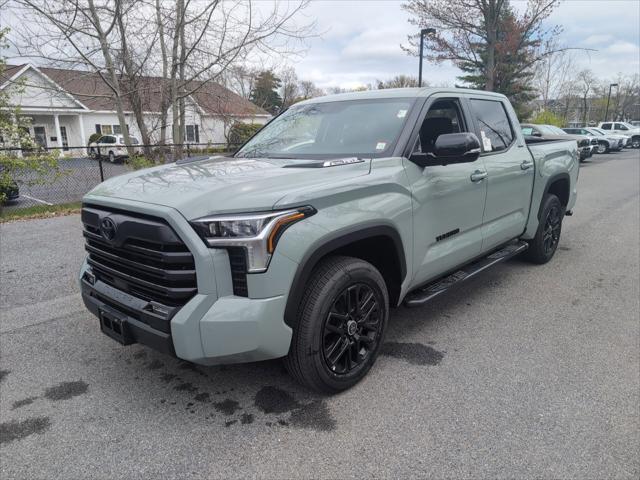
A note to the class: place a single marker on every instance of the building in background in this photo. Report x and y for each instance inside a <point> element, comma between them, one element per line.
<point>67,106</point>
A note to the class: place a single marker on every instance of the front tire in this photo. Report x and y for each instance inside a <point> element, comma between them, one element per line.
<point>342,320</point>
<point>544,245</point>
<point>635,142</point>
<point>603,148</point>
<point>112,157</point>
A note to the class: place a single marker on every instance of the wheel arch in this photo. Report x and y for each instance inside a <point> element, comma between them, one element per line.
<point>560,186</point>
<point>364,242</point>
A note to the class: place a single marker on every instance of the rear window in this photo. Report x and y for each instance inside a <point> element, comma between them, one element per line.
<point>606,126</point>
<point>495,129</point>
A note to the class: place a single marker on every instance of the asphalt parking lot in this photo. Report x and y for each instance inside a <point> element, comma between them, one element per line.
<point>76,176</point>
<point>528,371</point>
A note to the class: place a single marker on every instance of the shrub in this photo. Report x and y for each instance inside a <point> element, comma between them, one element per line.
<point>241,132</point>
<point>546,117</point>
<point>94,137</point>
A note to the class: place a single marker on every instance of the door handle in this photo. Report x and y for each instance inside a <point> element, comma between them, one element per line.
<point>478,175</point>
<point>526,165</point>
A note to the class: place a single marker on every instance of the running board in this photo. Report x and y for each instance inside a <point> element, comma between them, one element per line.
<point>424,294</point>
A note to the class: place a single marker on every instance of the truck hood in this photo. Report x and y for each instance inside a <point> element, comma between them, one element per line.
<point>225,185</point>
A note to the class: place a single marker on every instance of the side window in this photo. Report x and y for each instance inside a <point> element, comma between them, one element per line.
<point>606,126</point>
<point>496,133</point>
<point>444,116</point>
<point>620,126</point>
<point>527,131</point>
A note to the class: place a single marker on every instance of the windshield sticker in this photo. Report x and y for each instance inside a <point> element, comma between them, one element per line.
<point>486,142</point>
<point>401,113</point>
<point>381,145</point>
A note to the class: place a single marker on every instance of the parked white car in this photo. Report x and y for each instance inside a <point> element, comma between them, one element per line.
<point>607,142</point>
<point>111,147</point>
<point>623,128</point>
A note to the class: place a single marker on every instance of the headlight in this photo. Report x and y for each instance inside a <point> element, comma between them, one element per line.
<point>257,233</point>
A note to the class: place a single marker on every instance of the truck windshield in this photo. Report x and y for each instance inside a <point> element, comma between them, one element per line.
<point>361,128</point>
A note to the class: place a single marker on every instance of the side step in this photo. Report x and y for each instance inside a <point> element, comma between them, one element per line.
<point>424,294</point>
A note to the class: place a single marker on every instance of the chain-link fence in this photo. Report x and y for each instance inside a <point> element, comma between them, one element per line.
<point>82,168</point>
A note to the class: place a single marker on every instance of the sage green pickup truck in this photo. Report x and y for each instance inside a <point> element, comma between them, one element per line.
<point>338,210</point>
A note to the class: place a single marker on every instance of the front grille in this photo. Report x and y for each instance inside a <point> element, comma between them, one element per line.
<point>145,257</point>
<point>238,262</point>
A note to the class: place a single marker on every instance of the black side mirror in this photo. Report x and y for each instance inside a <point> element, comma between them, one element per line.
<point>535,133</point>
<point>450,148</point>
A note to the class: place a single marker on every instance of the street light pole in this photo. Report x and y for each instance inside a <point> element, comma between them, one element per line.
<point>606,112</point>
<point>423,32</point>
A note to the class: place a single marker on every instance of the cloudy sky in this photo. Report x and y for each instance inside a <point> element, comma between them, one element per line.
<point>360,40</point>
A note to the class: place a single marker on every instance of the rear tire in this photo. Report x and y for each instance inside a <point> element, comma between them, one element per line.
<point>342,319</point>
<point>544,245</point>
<point>112,157</point>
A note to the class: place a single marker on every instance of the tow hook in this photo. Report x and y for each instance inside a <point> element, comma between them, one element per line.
<point>568,213</point>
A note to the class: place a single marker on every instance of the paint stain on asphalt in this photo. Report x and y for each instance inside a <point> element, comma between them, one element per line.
<point>246,418</point>
<point>24,402</point>
<point>17,430</point>
<point>155,365</point>
<point>140,354</point>
<point>228,406</point>
<point>413,353</point>
<point>230,422</point>
<point>66,390</point>
<point>202,397</point>
<point>274,400</point>
<point>186,387</point>
<point>315,416</point>
<point>3,374</point>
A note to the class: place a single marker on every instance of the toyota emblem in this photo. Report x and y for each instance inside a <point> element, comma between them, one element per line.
<point>108,228</point>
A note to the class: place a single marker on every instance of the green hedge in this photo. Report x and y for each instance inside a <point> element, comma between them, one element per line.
<point>241,132</point>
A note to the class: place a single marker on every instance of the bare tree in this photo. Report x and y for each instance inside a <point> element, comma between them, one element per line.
<point>553,72</point>
<point>289,87</point>
<point>585,82</point>
<point>76,33</point>
<point>399,81</point>
<point>308,89</point>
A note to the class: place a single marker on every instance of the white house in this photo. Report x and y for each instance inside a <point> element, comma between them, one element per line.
<point>67,106</point>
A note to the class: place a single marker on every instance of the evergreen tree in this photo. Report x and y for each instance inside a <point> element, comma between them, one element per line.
<point>265,92</point>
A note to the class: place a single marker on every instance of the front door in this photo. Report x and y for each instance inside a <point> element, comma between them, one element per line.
<point>448,201</point>
<point>40,136</point>
<point>65,139</point>
<point>510,171</point>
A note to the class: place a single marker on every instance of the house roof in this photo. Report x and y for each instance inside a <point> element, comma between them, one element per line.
<point>89,89</point>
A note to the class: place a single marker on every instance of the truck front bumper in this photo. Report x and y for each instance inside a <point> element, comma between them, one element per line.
<point>214,326</point>
<point>207,330</point>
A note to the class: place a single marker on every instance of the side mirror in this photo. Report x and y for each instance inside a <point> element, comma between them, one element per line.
<point>450,148</point>
<point>536,133</point>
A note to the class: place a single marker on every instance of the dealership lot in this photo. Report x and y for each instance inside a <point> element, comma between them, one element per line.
<point>526,371</point>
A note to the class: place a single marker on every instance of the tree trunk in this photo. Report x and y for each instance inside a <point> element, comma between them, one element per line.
<point>113,76</point>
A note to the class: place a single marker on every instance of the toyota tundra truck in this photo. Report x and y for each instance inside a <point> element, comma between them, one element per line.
<point>338,210</point>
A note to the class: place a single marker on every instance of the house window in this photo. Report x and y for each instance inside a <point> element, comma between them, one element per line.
<point>193,136</point>
<point>106,130</point>
<point>65,139</point>
<point>117,130</point>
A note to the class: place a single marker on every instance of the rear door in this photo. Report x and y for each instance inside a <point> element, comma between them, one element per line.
<point>448,201</point>
<point>510,170</point>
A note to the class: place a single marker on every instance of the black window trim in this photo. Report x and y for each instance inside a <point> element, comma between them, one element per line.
<point>426,106</point>
<point>515,138</point>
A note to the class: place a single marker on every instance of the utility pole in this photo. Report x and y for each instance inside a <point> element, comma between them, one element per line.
<point>606,112</point>
<point>423,32</point>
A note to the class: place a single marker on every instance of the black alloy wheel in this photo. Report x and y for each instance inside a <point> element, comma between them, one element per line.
<point>352,329</point>
<point>552,226</point>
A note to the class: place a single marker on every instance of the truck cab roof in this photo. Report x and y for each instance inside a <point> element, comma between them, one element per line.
<point>399,93</point>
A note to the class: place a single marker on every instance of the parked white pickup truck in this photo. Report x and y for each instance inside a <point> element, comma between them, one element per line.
<point>623,128</point>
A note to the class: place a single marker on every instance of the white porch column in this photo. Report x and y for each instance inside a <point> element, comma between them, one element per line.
<point>83,140</point>
<point>56,121</point>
